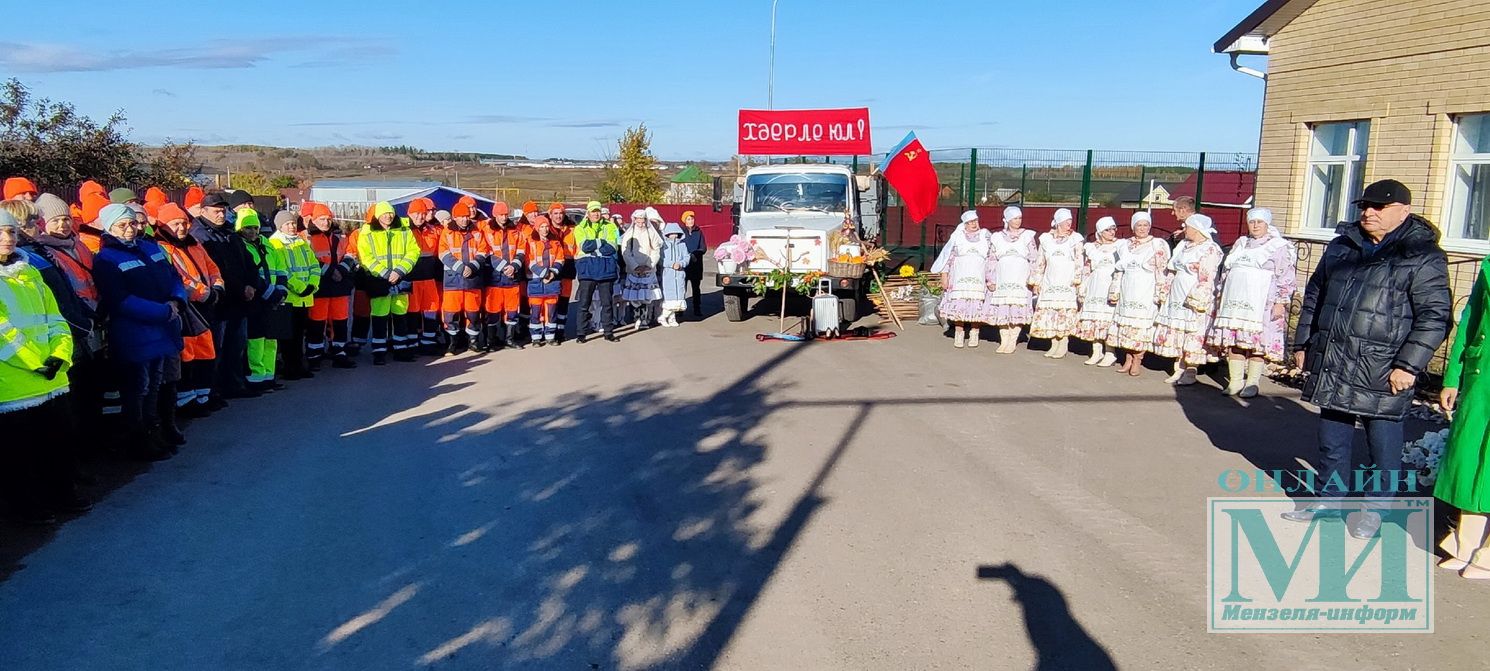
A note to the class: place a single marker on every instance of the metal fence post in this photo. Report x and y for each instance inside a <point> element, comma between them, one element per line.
<point>1200,184</point>
<point>1024,174</point>
<point>1143,172</point>
<point>972,179</point>
<point>1086,193</point>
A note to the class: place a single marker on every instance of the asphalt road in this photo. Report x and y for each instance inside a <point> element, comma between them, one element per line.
<point>689,498</point>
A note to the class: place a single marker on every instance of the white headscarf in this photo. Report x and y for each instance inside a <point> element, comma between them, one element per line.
<point>1012,212</point>
<point>1105,224</point>
<point>1201,223</point>
<point>1266,215</point>
<point>970,215</point>
<point>1141,215</point>
<point>1061,215</point>
<point>652,215</point>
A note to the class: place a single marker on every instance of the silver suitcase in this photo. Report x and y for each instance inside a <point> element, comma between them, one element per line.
<point>825,318</point>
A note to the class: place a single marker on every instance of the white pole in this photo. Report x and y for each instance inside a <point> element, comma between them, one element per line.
<point>771,72</point>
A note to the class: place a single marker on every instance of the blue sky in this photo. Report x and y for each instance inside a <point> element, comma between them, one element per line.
<point>564,78</point>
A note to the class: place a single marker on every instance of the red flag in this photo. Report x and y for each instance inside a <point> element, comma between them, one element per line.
<point>908,168</point>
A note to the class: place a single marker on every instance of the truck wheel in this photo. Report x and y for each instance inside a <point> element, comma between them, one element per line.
<point>735,306</point>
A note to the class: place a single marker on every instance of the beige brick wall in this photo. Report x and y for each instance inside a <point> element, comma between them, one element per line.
<point>1406,65</point>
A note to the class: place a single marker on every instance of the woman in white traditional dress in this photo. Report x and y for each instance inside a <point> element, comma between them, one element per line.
<point>1135,293</point>
<point>961,265</point>
<point>1012,257</point>
<point>1056,280</point>
<point>641,249</point>
<point>1189,302</point>
<point>1095,317</point>
<point>1257,286</point>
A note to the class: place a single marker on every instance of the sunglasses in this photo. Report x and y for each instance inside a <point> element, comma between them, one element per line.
<point>1374,206</point>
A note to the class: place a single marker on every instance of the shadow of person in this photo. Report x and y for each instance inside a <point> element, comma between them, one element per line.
<point>1060,641</point>
<point>1272,432</point>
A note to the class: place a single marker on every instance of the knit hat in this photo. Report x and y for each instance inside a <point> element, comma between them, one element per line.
<point>170,212</point>
<point>91,186</point>
<point>500,208</point>
<point>442,216</point>
<point>248,219</point>
<point>137,209</point>
<point>93,204</point>
<point>283,217</point>
<point>460,210</point>
<point>215,200</point>
<point>51,207</point>
<point>593,206</point>
<point>428,203</point>
<point>418,205</point>
<point>1011,212</point>
<point>152,209</point>
<point>122,195</point>
<point>193,196</point>
<point>15,186</point>
<point>237,198</point>
<point>155,195</point>
<point>318,210</point>
<point>8,221</point>
<point>555,206</point>
<point>530,206</point>
<point>686,214</point>
<point>113,213</point>
<point>382,208</point>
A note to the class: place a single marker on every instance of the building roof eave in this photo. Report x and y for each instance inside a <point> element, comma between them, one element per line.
<point>1261,24</point>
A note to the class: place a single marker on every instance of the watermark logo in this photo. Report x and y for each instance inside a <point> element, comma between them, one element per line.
<point>1271,575</point>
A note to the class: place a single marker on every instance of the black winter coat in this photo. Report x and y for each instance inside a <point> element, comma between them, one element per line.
<point>1362,317</point>
<point>227,250</point>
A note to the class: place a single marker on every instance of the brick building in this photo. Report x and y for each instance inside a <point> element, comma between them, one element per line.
<point>1360,90</point>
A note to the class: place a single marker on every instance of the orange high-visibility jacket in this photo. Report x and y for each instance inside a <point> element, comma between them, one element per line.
<point>198,272</point>
<point>506,246</point>
<point>462,248</point>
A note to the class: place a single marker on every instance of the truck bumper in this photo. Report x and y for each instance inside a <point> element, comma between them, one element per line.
<point>841,285</point>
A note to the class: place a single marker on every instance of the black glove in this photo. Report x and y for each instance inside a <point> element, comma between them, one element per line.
<point>50,367</point>
<point>213,296</point>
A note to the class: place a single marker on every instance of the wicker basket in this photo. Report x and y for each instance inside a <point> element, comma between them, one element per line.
<point>905,298</point>
<point>840,269</point>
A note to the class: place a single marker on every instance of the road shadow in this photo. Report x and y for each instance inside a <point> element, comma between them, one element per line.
<point>1060,641</point>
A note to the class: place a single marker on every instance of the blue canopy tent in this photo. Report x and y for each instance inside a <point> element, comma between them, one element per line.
<point>445,197</point>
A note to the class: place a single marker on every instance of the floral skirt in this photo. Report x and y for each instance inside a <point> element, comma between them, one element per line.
<point>1186,346</point>
<point>996,314</point>
<point>1257,343</point>
<point>1092,330</point>
<point>1053,322</point>
<point>1132,338</point>
<point>961,309</point>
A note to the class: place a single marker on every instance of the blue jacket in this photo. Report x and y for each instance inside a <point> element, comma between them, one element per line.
<point>135,283</point>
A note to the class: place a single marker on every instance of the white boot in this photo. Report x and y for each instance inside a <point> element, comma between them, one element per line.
<point>974,334</point>
<point>1096,355</point>
<point>1061,345</point>
<point>959,337</point>
<point>1187,377</point>
<point>1107,361</point>
<point>1051,352</point>
<point>1234,376</point>
<point>1176,373</point>
<point>1008,339</point>
<point>1254,377</point>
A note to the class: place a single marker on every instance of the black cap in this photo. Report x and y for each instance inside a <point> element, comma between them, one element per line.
<point>236,198</point>
<point>1385,192</point>
<point>214,200</point>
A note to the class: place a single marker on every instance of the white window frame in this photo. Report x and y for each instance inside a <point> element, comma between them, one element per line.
<point>1454,218</point>
<point>1354,164</point>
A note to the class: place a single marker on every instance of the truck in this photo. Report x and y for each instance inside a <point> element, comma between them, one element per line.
<point>789,210</point>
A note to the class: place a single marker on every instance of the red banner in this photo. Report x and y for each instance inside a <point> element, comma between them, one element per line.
<point>839,132</point>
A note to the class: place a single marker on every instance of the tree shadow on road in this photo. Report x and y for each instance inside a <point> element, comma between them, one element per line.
<point>612,529</point>
<point>1060,641</point>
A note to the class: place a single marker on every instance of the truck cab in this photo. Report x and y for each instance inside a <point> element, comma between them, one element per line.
<point>789,211</point>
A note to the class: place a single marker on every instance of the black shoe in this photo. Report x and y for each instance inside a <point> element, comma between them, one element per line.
<point>580,338</point>
<point>146,447</point>
<point>246,392</point>
<point>192,410</point>
<point>295,375</point>
<point>1309,513</point>
<point>215,403</point>
<point>170,435</point>
<point>404,355</point>
<point>313,365</point>
<point>452,348</point>
<point>1366,526</point>
<point>380,359</point>
<point>539,343</point>
<point>558,341</point>
<point>343,362</point>
<point>611,337</point>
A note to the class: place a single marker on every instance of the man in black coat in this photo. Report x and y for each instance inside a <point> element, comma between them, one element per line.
<point>241,283</point>
<point>1375,311</point>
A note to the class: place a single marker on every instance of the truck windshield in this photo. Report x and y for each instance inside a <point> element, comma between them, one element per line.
<point>791,192</point>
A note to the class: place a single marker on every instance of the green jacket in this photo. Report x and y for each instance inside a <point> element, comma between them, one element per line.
<point>273,269</point>
<point>31,331</point>
<point>302,268</point>
<point>1461,474</point>
<point>1467,354</point>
